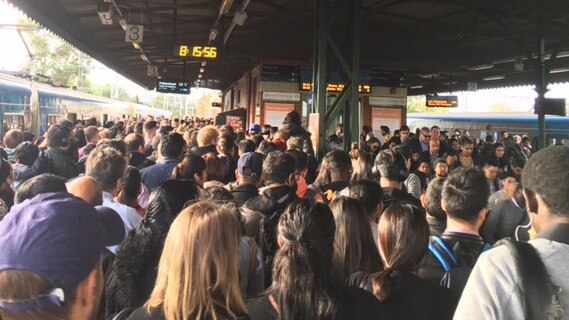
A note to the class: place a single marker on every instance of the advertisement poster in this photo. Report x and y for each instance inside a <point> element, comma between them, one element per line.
<point>275,113</point>
<point>390,117</point>
<point>233,121</point>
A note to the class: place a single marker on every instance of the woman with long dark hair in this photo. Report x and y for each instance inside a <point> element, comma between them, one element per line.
<point>354,248</point>
<point>403,241</point>
<point>134,271</point>
<point>305,283</point>
<point>131,185</point>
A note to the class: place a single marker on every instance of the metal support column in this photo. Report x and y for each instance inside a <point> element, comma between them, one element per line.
<point>541,88</point>
<point>348,63</point>
<point>321,72</point>
<point>352,131</point>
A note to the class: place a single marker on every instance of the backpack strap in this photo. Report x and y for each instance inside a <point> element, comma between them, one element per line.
<point>446,249</point>
<point>440,257</point>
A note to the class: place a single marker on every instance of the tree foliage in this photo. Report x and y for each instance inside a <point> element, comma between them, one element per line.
<point>55,58</point>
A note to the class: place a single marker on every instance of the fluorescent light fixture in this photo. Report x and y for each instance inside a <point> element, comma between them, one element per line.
<point>449,83</point>
<point>202,70</point>
<point>123,23</point>
<point>507,60</point>
<point>136,45</point>
<point>417,87</point>
<point>492,78</point>
<point>430,75</point>
<point>481,67</point>
<point>200,76</point>
<point>225,6</point>
<point>213,34</point>
<point>204,63</point>
<point>239,17</point>
<point>144,58</point>
<point>563,54</point>
<point>559,70</point>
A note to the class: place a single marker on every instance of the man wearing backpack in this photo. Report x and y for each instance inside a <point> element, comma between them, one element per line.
<point>453,255</point>
<point>513,282</point>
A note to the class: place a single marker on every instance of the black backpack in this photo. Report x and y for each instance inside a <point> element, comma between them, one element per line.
<point>268,243</point>
<point>456,274</point>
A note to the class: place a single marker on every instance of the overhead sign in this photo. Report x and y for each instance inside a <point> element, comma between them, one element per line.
<point>152,71</point>
<point>336,87</point>
<point>390,79</point>
<point>197,52</point>
<point>281,96</point>
<point>442,101</point>
<point>134,33</point>
<point>387,102</point>
<point>173,86</point>
<point>276,73</point>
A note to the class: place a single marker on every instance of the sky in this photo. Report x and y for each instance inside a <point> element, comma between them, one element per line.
<point>13,54</point>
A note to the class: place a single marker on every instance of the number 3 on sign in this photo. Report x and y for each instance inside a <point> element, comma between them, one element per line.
<point>134,33</point>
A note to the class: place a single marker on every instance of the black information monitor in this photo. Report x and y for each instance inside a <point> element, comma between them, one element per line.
<point>173,86</point>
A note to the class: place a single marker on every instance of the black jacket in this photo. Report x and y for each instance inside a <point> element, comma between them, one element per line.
<point>270,201</point>
<point>393,195</point>
<point>502,222</point>
<point>411,297</point>
<point>466,248</point>
<point>140,161</point>
<point>244,192</point>
<point>200,151</point>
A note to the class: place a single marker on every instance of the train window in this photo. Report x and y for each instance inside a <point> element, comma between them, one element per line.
<point>52,119</point>
<point>13,121</point>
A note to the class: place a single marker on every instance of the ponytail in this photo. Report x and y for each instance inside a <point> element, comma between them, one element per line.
<point>382,284</point>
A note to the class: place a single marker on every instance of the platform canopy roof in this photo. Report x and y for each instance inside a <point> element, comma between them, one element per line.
<point>441,44</point>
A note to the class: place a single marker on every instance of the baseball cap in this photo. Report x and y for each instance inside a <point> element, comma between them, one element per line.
<point>59,237</point>
<point>250,164</point>
<point>255,128</point>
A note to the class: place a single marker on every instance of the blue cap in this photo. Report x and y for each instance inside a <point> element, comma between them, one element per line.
<point>59,237</point>
<point>255,128</point>
<point>250,164</point>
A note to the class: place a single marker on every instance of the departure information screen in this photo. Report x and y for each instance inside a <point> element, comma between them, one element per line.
<point>442,101</point>
<point>173,86</point>
<point>196,52</point>
<point>336,87</point>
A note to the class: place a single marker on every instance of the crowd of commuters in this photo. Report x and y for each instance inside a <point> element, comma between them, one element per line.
<point>178,219</point>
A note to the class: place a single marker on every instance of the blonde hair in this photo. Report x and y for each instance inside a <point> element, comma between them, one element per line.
<point>206,135</point>
<point>198,273</point>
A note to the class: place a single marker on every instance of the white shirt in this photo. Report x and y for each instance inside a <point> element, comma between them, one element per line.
<point>128,215</point>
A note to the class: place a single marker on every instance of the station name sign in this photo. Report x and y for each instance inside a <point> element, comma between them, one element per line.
<point>173,86</point>
<point>196,52</point>
<point>442,101</point>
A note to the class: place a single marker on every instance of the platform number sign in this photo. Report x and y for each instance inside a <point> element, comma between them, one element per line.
<point>152,71</point>
<point>134,33</point>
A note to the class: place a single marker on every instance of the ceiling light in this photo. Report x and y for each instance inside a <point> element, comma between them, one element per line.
<point>492,78</point>
<point>213,34</point>
<point>202,70</point>
<point>204,63</point>
<point>200,76</point>
<point>417,87</point>
<point>481,67</point>
<point>430,75</point>
<point>225,6</point>
<point>449,83</point>
<point>144,58</point>
<point>136,45</point>
<point>559,70</point>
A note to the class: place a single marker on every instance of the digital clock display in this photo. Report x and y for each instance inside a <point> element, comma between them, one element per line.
<point>197,52</point>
